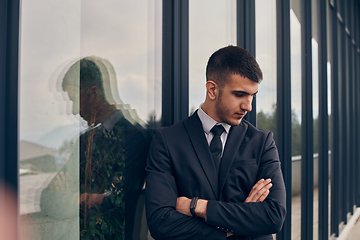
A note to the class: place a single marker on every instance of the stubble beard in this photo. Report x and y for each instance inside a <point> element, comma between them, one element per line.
<point>223,112</point>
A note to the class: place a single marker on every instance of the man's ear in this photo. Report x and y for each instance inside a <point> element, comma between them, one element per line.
<point>212,89</point>
<point>94,94</point>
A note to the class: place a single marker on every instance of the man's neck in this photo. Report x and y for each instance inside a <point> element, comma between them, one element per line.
<point>104,112</point>
<point>209,110</point>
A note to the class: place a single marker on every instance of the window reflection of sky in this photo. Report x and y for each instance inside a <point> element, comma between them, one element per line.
<point>126,33</point>
<point>295,38</point>
<point>266,54</point>
<point>212,25</point>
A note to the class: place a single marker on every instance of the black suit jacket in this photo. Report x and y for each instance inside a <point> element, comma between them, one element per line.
<point>180,164</point>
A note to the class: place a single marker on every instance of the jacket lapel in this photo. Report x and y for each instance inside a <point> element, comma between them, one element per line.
<point>233,142</point>
<point>197,137</point>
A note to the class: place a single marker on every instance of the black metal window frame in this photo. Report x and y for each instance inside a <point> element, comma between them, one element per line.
<point>283,120</point>
<point>9,49</point>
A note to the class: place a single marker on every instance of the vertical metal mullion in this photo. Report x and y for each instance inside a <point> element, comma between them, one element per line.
<point>343,118</point>
<point>357,105</point>
<point>346,98</point>
<point>350,108</point>
<point>354,104</point>
<point>335,132</point>
<point>167,64</point>
<point>9,50</point>
<point>175,63</point>
<point>323,123</point>
<point>355,79</point>
<point>181,60</point>
<point>3,68</point>
<point>245,37</point>
<point>283,120</point>
<point>307,160</point>
<point>9,66</point>
<point>342,158</point>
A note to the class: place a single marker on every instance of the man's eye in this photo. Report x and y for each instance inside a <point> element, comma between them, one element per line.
<point>239,94</point>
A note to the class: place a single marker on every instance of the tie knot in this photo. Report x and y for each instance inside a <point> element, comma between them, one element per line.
<point>217,130</point>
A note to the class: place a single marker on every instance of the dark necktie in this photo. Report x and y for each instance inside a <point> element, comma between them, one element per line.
<point>216,145</point>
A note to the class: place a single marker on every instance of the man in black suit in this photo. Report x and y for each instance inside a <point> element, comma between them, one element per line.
<point>204,184</point>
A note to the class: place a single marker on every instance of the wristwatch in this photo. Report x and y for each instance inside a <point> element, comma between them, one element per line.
<point>193,206</point>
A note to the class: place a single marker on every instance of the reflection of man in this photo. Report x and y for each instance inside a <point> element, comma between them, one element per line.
<point>112,158</point>
<point>205,183</point>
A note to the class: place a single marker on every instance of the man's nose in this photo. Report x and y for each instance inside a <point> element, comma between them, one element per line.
<point>246,104</point>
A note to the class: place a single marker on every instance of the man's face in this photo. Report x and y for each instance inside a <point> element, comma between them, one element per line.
<point>235,99</point>
<point>79,98</point>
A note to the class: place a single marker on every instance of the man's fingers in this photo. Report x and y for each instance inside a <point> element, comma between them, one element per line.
<point>257,187</point>
<point>262,193</point>
<point>258,192</point>
<point>263,196</point>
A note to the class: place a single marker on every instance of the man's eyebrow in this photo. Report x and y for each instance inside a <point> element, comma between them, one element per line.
<point>243,92</point>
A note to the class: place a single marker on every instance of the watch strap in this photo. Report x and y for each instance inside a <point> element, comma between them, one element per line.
<point>193,206</point>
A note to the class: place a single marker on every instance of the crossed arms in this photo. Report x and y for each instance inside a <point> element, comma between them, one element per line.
<point>257,194</point>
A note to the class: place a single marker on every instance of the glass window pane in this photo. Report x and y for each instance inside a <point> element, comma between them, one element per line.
<point>295,38</point>
<point>315,81</point>
<point>212,25</point>
<point>266,57</point>
<point>90,95</point>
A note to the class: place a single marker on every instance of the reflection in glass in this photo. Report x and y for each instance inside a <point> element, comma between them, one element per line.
<point>112,158</point>
<point>266,57</point>
<point>212,25</point>
<point>85,123</point>
<point>315,77</point>
<point>315,86</point>
<point>295,38</point>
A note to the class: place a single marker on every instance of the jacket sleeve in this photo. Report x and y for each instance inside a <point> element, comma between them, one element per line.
<point>160,198</point>
<point>258,218</point>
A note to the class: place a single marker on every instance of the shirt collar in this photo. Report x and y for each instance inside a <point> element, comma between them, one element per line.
<point>110,122</point>
<point>208,123</point>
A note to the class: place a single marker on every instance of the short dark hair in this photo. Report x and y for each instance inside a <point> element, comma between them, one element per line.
<point>86,71</point>
<point>232,60</point>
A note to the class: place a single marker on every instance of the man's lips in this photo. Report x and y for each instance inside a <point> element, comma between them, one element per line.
<point>240,114</point>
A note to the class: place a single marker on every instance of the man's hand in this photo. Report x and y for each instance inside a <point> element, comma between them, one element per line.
<point>259,191</point>
<point>92,198</point>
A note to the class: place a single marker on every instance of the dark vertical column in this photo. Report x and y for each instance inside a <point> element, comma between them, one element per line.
<point>9,45</point>
<point>307,146</point>
<point>283,110</point>
<point>349,103</point>
<point>334,128</point>
<point>175,67</point>
<point>9,49</point>
<point>343,111</point>
<point>323,123</point>
<point>245,25</point>
<point>3,68</point>
<point>357,102</point>
<point>353,102</point>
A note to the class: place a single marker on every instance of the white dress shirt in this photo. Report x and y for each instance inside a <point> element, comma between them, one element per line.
<point>208,123</point>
